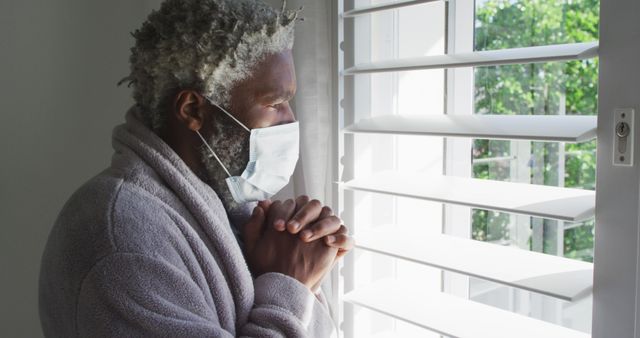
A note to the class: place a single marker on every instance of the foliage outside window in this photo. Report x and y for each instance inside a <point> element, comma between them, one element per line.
<point>537,89</point>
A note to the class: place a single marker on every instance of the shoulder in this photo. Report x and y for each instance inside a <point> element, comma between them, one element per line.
<point>116,211</point>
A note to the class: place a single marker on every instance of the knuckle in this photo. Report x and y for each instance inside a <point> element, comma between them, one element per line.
<point>324,226</point>
<point>329,224</point>
<point>327,210</point>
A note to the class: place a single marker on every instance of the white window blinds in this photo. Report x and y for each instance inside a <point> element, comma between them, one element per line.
<point>407,299</point>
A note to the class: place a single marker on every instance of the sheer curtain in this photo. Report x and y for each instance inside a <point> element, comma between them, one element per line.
<point>312,106</point>
<point>312,103</point>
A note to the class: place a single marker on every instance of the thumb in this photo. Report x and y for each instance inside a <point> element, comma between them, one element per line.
<point>253,228</point>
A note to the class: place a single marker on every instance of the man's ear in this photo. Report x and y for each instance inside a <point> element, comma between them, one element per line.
<point>189,109</point>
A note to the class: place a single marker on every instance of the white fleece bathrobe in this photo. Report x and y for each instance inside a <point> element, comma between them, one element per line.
<point>146,249</point>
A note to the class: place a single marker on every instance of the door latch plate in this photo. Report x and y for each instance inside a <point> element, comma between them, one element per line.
<point>623,137</point>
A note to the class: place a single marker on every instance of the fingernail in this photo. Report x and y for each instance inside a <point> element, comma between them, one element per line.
<point>294,225</point>
<point>279,223</point>
<point>331,239</point>
<point>306,234</point>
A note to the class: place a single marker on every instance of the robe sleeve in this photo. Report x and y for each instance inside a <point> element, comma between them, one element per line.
<point>133,295</point>
<point>284,307</point>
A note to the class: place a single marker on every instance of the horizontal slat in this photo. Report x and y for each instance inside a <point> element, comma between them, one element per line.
<point>574,51</point>
<point>452,316</point>
<point>563,204</point>
<point>558,128</point>
<point>554,276</point>
<point>382,7</point>
<point>479,161</point>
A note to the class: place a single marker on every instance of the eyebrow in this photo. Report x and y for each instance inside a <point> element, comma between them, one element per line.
<point>277,94</point>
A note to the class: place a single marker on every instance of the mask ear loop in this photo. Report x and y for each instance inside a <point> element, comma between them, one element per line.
<point>231,116</point>
<point>213,153</point>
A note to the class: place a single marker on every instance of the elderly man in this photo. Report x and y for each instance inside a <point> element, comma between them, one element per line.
<point>178,236</point>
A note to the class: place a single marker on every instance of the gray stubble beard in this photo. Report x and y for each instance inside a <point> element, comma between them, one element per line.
<point>231,144</point>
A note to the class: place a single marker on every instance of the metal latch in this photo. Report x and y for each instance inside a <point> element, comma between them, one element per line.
<point>623,137</point>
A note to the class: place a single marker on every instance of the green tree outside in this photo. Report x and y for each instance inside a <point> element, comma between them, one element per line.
<point>537,89</point>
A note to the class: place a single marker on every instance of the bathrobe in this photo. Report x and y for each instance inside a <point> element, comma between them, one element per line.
<point>146,249</point>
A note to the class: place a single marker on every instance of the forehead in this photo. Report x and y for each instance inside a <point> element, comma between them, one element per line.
<point>275,75</point>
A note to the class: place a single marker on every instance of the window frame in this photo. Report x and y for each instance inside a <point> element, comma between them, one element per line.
<point>616,257</point>
<point>615,310</point>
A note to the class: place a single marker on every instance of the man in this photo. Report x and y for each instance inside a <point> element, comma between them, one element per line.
<point>178,236</point>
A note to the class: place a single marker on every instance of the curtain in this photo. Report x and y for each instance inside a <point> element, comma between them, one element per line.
<point>312,103</point>
<point>312,53</point>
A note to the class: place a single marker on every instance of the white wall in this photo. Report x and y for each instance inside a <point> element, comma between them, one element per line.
<point>59,64</point>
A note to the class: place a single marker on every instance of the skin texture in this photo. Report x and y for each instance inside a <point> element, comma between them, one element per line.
<point>300,238</point>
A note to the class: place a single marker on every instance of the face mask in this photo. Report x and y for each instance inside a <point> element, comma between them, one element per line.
<point>273,154</point>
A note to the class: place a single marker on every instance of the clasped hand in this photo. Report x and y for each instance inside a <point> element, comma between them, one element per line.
<point>302,239</point>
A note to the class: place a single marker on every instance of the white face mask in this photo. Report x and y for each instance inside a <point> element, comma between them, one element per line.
<point>273,154</point>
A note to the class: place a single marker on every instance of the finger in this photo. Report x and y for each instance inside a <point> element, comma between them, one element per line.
<point>343,230</point>
<point>279,213</point>
<point>342,253</point>
<point>301,201</point>
<point>331,238</point>
<point>343,242</point>
<point>307,214</point>
<point>253,228</point>
<point>273,211</point>
<point>323,227</point>
<point>326,212</point>
<point>349,241</point>
<point>265,204</point>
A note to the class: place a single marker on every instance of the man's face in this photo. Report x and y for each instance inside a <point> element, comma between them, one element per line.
<point>258,102</point>
<point>262,100</point>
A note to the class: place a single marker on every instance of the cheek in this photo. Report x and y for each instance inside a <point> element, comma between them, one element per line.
<point>262,116</point>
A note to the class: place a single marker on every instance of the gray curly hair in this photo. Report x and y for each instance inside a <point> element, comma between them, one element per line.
<point>203,45</point>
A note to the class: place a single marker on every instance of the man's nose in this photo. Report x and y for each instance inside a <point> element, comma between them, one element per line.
<point>287,115</point>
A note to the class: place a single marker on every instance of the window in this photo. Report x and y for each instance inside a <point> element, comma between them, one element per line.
<point>467,158</point>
